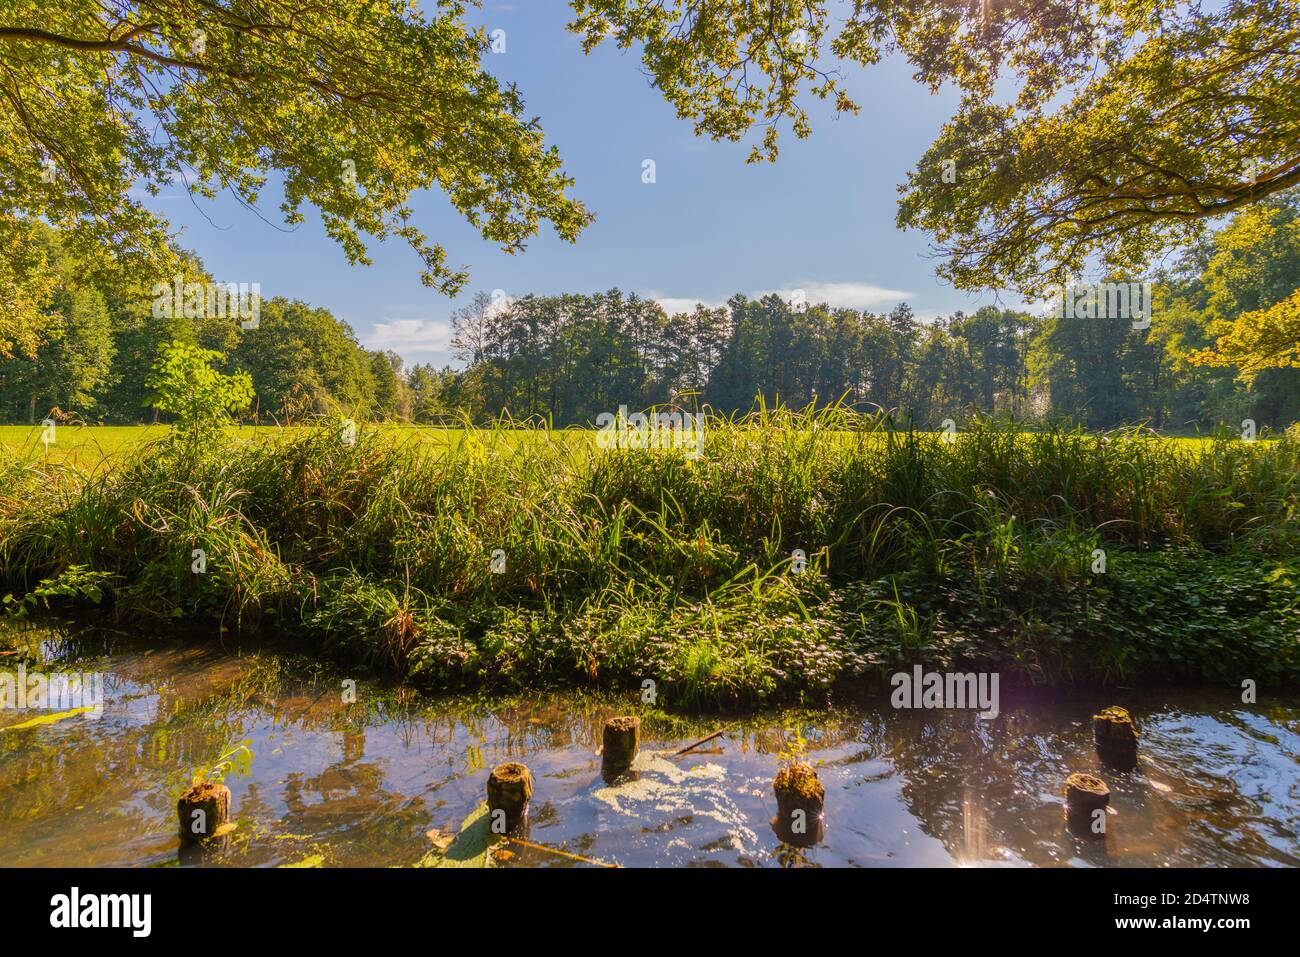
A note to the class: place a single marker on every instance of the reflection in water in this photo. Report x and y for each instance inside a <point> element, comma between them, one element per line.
<point>366,783</point>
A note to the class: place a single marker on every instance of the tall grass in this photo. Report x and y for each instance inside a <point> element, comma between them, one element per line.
<point>632,565</point>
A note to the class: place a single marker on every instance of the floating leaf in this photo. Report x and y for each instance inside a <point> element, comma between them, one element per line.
<point>472,845</point>
<point>440,838</point>
<point>47,719</point>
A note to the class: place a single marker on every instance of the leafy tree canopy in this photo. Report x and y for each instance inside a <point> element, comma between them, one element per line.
<point>1135,122</point>
<point>357,103</point>
<point>1262,339</point>
<point>1252,281</point>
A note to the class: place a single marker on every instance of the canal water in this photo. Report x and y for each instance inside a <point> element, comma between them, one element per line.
<point>383,779</point>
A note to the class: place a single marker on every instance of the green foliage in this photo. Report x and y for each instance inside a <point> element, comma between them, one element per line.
<point>71,370</point>
<point>186,386</point>
<point>375,102</point>
<point>75,583</point>
<point>304,361</point>
<point>623,565</point>
<point>1238,288</point>
<point>1253,302</point>
<point>101,340</point>
<point>1113,149</point>
<point>237,760</point>
<point>26,285</point>
<point>1263,339</point>
<point>1176,615</point>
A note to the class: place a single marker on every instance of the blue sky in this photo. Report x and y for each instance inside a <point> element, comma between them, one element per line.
<point>821,219</point>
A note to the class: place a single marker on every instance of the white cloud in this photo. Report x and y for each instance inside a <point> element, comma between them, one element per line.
<point>838,295</point>
<point>411,336</point>
<point>674,306</point>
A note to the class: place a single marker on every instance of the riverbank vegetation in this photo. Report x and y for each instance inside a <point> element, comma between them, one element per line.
<point>800,552</point>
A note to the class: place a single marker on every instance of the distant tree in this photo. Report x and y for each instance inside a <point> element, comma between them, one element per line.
<point>1099,371</point>
<point>390,399</point>
<point>478,339</point>
<point>68,373</point>
<point>429,391</point>
<point>945,381</point>
<point>71,371</point>
<point>137,338</point>
<point>997,341</point>
<point>472,332</point>
<point>1189,396</point>
<point>692,348</point>
<point>895,362</point>
<point>303,360</point>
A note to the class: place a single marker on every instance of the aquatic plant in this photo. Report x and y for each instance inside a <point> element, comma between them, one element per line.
<point>236,760</point>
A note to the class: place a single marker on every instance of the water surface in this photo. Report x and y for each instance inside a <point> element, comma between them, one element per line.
<point>335,783</point>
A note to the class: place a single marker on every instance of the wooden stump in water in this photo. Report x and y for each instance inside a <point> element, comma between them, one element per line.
<point>619,746</point>
<point>1116,738</point>
<point>1085,794</point>
<point>203,810</point>
<point>509,789</point>
<point>800,800</point>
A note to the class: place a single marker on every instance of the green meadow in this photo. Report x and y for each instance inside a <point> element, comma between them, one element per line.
<point>86,446</point>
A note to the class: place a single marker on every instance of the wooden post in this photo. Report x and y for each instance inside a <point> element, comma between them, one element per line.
<point>619,745</point>
<point>1116,738</point>
<point>202,811</point>
<point>1085,795</point>
<point>509,789</point>
<point>800,801</point>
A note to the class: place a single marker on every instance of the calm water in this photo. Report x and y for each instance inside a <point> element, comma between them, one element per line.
<point>364,784</point>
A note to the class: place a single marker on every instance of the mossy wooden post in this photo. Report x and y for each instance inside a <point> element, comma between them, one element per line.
<point>1116,737</point>
<point>509,789</point>
<point>202,811</point>
<point>619,746</point>
<point>800,800</point>
<point>1085,794</point>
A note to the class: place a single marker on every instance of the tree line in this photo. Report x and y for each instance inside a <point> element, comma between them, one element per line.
<point>568,358</point>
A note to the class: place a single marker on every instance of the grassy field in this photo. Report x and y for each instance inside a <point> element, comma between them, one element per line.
<point>797,555</point>
<point>86,446</point>
<point>80,445</point>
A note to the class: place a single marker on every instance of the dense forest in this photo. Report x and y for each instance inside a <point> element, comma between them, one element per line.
<point>567,358</point>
